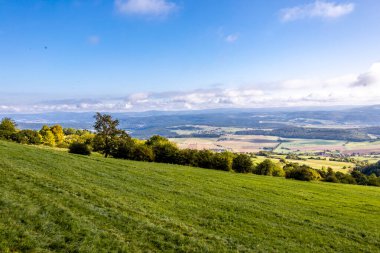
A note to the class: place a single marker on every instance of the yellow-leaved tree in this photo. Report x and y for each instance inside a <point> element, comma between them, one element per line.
<point>58,133</point>
<point>48,137</point>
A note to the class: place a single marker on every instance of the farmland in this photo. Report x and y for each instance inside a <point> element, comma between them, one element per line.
<point>256,143</point>
<point>235,143</point>
<point>316,163</point>
<point>344,147</point>
<point>225,138</point>
<point>306,148</point>
<point>55,201</point>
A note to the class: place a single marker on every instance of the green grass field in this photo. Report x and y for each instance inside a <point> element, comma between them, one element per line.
<point>314,163</point>
<point>309,145</point>
<point>54,201</point>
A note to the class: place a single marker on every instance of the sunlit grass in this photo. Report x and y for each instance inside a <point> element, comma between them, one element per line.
<point>54,201</point>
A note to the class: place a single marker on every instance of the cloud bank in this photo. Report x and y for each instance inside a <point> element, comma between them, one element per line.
<point>145,7</point>
<point>318,9</point>
<point>352,89</point>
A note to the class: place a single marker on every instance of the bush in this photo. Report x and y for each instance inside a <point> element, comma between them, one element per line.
<point>6,135</point>
<point>372,168</point>
<point>165,152</point>
<point>222,161</point>
<point>345,178</point>
<point>48,137</point>
<point>204,159</point>
<point>187,157</point>
<point>63,145</point>
<point>303,173</point>
<point>331,177</point>
<point>360,178</point>
<point>27,137</point>
<point>7,124</point>
<point>373,180</point>
<point>269,168</point>
<point>242,164</point>
<point>79,148</point>
<point>142,152</point>
<point>122,147</point>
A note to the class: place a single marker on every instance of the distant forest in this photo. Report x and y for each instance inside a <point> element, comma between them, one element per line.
<point>352,134</point>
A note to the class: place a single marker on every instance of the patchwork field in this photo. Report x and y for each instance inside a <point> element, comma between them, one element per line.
<point>308,145</point>
<point>256,143</point>
<point>344,167</point>
<point>305,145</point>
<point>234,143</point>
<point>362,147</point>
<point>53,201</point>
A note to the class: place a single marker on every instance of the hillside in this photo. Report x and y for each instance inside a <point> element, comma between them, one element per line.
<point>54,201</point>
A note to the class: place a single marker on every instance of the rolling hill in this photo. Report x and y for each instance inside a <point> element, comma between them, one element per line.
<point>54,201</point>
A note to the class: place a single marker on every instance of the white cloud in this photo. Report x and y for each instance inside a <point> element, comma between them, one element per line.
<point>351,89</point>
<point>145,7</point>
<point>231,38</point>
<point>372,77</point>
<point>227,37</point>
<point>318,9</point>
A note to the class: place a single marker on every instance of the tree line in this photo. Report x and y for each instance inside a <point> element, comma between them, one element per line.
<point>355,134</point>
<point>111,141</point>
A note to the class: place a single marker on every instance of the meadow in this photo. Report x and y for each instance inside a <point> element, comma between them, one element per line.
<point>344,167</point>
<point>54,201</point>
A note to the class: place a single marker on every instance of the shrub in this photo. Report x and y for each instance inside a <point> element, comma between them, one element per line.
<point>372,168</point>
<point>331,177</point>
<point>373,180</point>
<point>165,152</point>
<point>187,157</point>
<point>204,159</point>
<point>79,148</point>
<point>360,177</point>
<point>63,145</point>
<point>303,173</point>
<point>222,161</point>
<point>122,147</point>
<point>58,133</point>
<point>48,137</point>
<point>269,168</point>
<point>345,178</point>
<point>242,164</point>
<point>6,135</point>
<point>7,124</point>
<point>142,152</point>
<point>156,139</point>
<point>7,129</point>
<point>69,131</point>
<point>28,137</point>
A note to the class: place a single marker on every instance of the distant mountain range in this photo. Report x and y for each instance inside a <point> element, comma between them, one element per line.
<point>142,124</point>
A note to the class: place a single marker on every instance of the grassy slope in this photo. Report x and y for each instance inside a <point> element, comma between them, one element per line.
<point>51,200</point>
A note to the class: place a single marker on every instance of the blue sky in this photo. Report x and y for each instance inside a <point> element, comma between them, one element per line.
<point>126,55</point>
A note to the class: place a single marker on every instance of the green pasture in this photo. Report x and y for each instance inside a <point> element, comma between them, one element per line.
<point>52,201</point>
